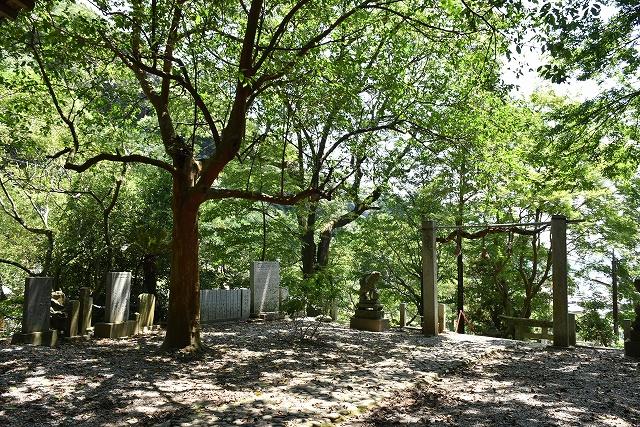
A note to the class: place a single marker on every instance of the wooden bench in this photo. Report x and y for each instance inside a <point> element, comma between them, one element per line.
<point>522,328</point>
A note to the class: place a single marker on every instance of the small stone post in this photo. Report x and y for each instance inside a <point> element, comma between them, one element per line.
<point>559,275</point>
<point>429,279</point>
<point>403,314</point>
<point>146,307</point>
<point>86,307</point>
<point>73,316</point>
<point>572,329</point>
<point>334,309</point>
<point>442,316</point>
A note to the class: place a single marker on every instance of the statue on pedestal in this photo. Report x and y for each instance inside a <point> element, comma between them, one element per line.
<point>369,315</point>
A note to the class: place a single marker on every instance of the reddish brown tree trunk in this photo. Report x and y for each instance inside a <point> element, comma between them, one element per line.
<point>183,323</point>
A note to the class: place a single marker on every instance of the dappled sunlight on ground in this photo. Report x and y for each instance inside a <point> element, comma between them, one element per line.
<point>252,374</point>
<point>523,386</point>
<point>256,374</point>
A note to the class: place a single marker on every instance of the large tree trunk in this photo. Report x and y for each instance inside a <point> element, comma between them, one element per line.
<point>183,323</point>
<point>323,247</point>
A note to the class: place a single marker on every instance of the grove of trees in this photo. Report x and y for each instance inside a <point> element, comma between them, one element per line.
<point>182,140</point>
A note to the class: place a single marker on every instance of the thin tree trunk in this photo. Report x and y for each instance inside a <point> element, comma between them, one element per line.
<point>150,274</point>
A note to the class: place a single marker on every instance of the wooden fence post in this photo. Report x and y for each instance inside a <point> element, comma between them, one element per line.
<point>559,275</point>
<point>429,279</point>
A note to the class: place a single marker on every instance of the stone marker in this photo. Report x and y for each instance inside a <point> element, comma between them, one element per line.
<point>86,308</point>
<point>369,315</point>
<point>333,312</point>
<point>442,318</point>
<point>265,287</point>
<point>403,314</point>
<point>36,313</point>
<point>626,327</point>
<point>632,343</point>
<point>147,308</point>
<point>117,323</point>
<point>118,289</point>
<point>72,308</point>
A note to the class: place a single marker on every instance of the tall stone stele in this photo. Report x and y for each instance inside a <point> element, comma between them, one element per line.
<point>36,313</point>
<point>369,315</point>
<point>265,289</point>
<point>632,343</point>
<point>116,310</point>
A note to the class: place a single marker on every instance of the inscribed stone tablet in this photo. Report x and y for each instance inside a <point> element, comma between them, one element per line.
<point>37,302</point>
<point>118,289</point>
<point>265,287</point>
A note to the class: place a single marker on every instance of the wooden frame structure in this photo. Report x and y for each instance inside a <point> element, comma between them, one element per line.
<point>561,335</point>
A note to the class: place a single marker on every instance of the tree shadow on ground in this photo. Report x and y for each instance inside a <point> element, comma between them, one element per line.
<point>254,374</point>
<point>525,387</point>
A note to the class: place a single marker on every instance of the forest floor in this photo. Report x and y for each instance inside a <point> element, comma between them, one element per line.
<point>264,374</point>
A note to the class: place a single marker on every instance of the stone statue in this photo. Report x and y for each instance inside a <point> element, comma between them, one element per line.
<point>369,315</point>
<point>632,343</point>
<point>368,292</point>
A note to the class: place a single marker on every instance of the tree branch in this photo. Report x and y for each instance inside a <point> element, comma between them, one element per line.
<point>131,158</point>
<point>222,193</point>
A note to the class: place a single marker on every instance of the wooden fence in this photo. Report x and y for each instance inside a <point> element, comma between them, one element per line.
<point>523,328</point>
<point>224,304</point>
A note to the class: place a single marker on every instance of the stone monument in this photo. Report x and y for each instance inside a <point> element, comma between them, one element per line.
<point>265,288</point>
<point>116,310</point>
<point>36,313</point>
<point>86,310</point>
<point>632,343</point>
<point>369,315</point>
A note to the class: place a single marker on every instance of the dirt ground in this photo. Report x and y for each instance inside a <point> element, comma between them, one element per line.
<point>261,374</point>
<point>524,387</point>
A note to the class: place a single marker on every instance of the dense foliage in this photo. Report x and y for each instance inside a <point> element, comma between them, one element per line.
<point>319,136</point>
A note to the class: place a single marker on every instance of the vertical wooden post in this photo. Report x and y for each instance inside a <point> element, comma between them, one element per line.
<point>614,292</point>
<point>429,279</point>
<point>403,314</point>
<point>559,275</point>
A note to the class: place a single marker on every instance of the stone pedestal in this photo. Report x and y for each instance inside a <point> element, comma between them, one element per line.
<point>372,325</point>
<point>116,330</point>
<point>48,338</point>
<point>369,315</point>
